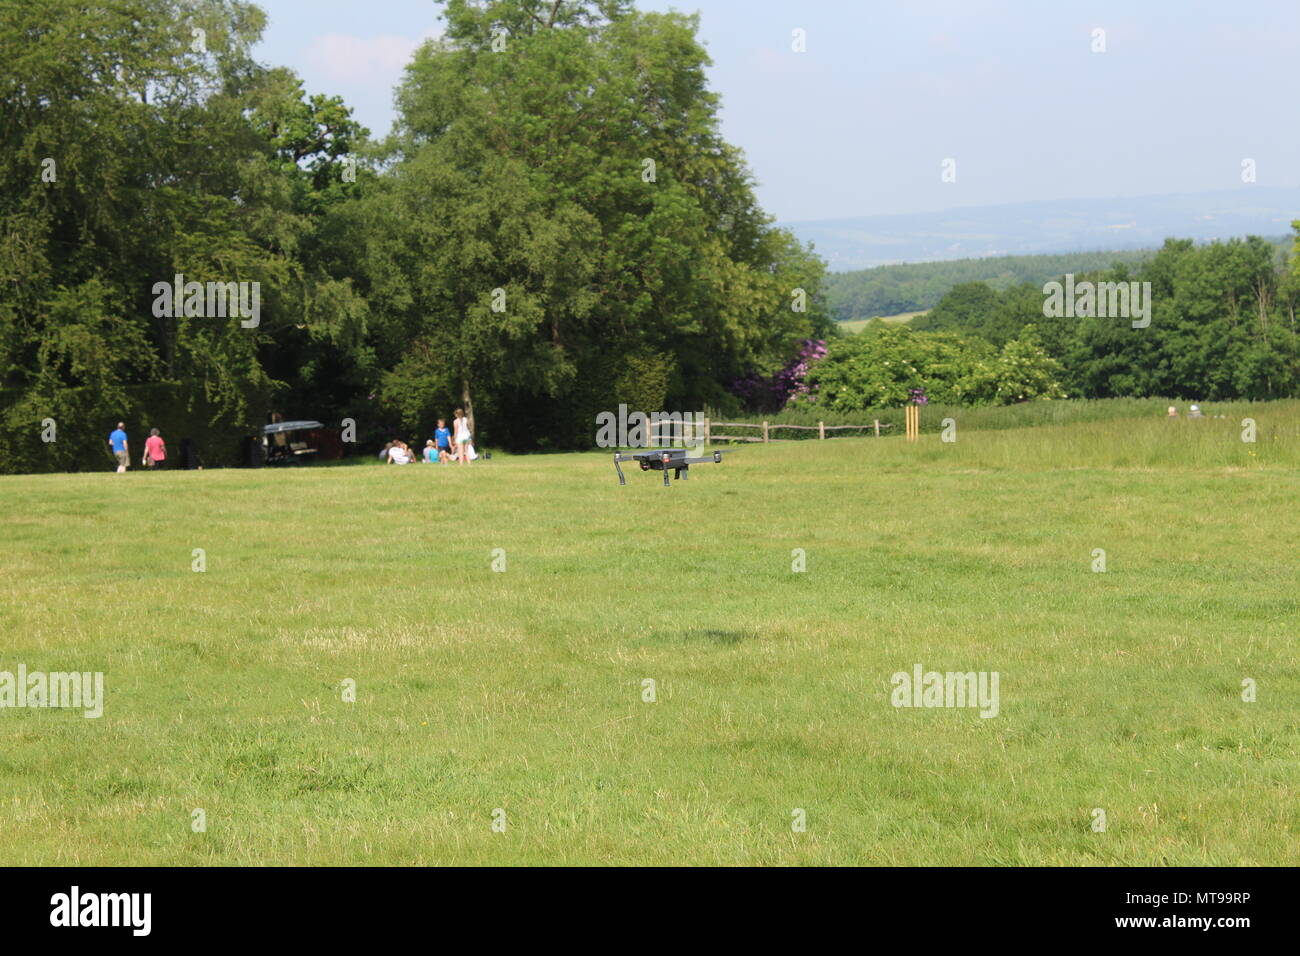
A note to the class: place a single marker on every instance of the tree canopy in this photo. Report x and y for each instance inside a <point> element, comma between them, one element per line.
<point>1222,325</point>
<point>555,226</point>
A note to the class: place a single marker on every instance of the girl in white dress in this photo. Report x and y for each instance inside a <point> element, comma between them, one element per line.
<point>464,441</point>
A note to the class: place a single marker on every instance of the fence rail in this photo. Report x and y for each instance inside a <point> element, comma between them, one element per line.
<point>678,430</point>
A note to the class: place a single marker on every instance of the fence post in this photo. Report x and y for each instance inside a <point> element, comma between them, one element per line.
<point>876,422</point>
<point>765,431</point>
<point>706,429</point>
<point>821,430</point>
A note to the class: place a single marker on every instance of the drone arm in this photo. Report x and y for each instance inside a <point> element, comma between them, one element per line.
<point>621,479</point>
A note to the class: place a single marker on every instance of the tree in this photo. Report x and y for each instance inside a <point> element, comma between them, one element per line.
<point>883,369</point>
<point>138,142</point>
<point>568,212</point>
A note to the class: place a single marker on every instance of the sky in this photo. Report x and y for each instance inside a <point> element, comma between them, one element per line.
<point>885,91</point>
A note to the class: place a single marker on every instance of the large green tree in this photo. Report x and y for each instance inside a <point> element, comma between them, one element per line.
<point>139,140</point>
<point>564,225</point>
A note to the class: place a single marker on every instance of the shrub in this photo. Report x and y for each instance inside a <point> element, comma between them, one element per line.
<point>886,368</point>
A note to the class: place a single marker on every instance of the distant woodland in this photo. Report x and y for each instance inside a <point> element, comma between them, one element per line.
<point>916,286</point>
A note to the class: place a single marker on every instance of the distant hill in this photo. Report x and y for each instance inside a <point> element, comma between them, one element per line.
<point>1050,226</point>
<point>914,287</point>
<point>917,286</point>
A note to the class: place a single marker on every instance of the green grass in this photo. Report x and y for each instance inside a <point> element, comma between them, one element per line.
<point>857,325</point>
<point>1152,411</point>
<point>522,690</point>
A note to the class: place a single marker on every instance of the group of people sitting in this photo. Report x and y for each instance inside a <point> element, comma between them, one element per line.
<point>446,445</point>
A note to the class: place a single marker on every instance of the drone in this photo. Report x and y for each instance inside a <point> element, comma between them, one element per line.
<point>675,460</point>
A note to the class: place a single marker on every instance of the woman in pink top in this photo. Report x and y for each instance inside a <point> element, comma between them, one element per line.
<point>155,449</point>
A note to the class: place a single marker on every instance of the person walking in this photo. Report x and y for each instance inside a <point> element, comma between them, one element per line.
<point>155,450</point>
<point>121,449</point>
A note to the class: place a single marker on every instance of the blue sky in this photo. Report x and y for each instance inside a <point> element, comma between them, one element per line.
<point>860,123</point>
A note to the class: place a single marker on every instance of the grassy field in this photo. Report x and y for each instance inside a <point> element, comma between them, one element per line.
<point>523,690</point>
<point>1143,414</point>
<point>856,325</point>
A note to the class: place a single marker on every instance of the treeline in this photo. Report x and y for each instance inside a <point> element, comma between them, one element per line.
<point>1222,325</point>
<point>916,286</point>
<point>555,226</point>
<point>1211,323</point>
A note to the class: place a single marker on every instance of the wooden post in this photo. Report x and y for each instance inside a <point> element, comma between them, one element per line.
<point>876,423</point>
<point>706,429</point>
<point>764,431</point>
<point>821,430</point>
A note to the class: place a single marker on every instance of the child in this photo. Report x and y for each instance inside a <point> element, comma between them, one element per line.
<point>464,441</point>
<point>430,453</point>
<point>443,436</point>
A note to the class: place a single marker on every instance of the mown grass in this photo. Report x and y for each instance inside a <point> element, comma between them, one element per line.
<point>523,689</point>
<point>857,325</point>
<point>1030,414</point>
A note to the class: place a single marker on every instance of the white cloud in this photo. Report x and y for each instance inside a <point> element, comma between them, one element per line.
<point>347,58</point>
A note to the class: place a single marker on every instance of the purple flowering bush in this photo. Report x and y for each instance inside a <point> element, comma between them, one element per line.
<point>788,386</point>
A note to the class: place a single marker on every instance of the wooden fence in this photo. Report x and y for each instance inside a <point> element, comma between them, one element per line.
<point>676,430</point>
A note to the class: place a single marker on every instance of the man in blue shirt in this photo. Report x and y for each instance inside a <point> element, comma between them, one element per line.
<point>121,450</point>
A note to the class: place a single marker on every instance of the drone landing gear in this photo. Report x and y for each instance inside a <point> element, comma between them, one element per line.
<point>676,462</point>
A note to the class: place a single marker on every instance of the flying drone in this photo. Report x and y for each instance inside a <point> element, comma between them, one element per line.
<point>675,460</point>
